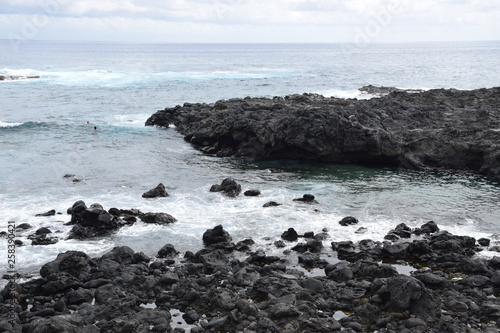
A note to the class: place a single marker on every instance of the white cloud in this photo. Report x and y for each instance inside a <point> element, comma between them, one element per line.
<point>255,20</point>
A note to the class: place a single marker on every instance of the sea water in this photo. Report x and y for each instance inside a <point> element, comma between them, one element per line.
<point>44,135</point>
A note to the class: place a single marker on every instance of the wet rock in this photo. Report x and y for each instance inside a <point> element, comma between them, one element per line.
<point>74,263</point>
<point>290,235</point>
<point>51,212</point>
<point>157,192</point>
<point>24,226</point>
<point>252,193</point>
<point>167,251</point>
<point>271,204</point>
<point>228,186</point>
<point>409,294</point>
<point>157,218</point>
<point>216,235</point>
<point>91,222</point>
<point>307,198</point>
<point>348,220</point>
<point>484,241</point>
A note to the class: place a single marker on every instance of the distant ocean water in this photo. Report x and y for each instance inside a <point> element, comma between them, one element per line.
<point>117,86</point>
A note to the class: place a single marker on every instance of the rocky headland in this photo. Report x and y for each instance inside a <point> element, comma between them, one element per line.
<point>435,129</point>
<point>416,280</point>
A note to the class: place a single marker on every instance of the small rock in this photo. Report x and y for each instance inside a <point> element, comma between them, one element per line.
<point>228,186</point>
<point>290,235</point>
<point>348,220</point>
<point>308,198</point>
<point>158,191</point>
<point>49,213</point>
<point>216,235</point>
<point>483,241</point>
<point>252,193</point>
<point>158,218</point>
<point>271,204</point>
<point>167,251</point>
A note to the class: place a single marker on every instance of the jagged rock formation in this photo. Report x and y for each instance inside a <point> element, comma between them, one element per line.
<point>440,128</point>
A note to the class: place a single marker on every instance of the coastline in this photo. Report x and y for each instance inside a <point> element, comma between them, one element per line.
<point>418,280</point>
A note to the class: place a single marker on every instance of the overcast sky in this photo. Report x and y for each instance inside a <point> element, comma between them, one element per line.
<point>352,21</point>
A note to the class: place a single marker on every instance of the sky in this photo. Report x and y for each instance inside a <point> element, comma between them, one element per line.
<point>251,21</point>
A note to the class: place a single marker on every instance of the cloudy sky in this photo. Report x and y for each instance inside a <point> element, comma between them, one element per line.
<point>358,21</point>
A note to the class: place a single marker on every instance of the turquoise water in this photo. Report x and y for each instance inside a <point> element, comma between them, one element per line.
<point>44,135</point>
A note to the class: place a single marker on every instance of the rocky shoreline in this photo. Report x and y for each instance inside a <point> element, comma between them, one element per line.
<point>435,129</point>
<point>231,286</point>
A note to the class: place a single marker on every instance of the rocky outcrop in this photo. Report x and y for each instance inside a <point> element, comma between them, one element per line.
<point>95,221</point>
<point>441,128</point>
<point>219,290</point>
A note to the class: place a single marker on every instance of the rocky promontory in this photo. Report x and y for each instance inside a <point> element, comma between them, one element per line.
<point>440,128</point>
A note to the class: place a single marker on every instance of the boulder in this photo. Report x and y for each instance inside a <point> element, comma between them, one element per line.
<point>158,218</point>
<point>216,235</point>
<point>51,212</point>
<point>252,193</point>
<point>348,220</point>
<point>158,191</point>
<point>307,198</point>
<point>228,186</point>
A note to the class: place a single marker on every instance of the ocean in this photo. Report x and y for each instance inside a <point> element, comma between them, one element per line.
<point>116,86</point>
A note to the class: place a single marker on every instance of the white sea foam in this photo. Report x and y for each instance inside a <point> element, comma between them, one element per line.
<point>8,124</point>
<point>345,94</point>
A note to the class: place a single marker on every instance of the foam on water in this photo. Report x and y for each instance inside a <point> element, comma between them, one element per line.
<point>8,124</point>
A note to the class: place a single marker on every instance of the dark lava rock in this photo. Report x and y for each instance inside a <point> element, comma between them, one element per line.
<point>427,228</point>
<point>122,291</point>
<point>158,218</point>
<point>308,198</point>
<point>49,213</point>
<point>348,220</point>
<point>406,129</point>
<point>252,193</point>
<point>158,191</point>
<point>484,241</point>
<point>24,226</point>
<point>90,222</point>
<point>228,186</point>
<point>167,251</point>
<point>271,204</point>
<point>216,235</point>
<point>290,235</point>
<point>74,263</point>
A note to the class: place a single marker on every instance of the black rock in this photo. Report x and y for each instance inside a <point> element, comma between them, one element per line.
<point>271,204</point>
<point>228,186</point>
<point>348,220</point>
<point>379,130</point>
<point>290,235</point>
<point>251,193</point>
<point>484,241</point>
<point>24,226</point>
<point>49,213</point>
<point>167,251</point>
<point>158,218</point>
<point>308,198</point>
<point>216,235</point>
<point>158,191</point>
